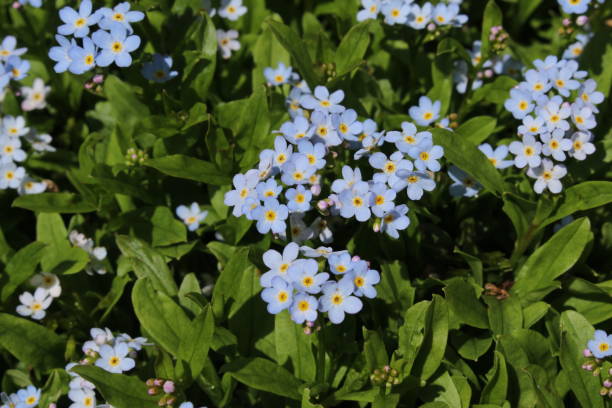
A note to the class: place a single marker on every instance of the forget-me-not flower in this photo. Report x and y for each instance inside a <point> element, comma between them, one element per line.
<point>115,46</point>
<point>77,23</point>
<point>159,69</point>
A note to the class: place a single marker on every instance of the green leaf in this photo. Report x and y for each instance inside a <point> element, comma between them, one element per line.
<point>196,341</point>
<point>123,101</point>
<point>352,48</point>
<point>267,52</point>
<point>190,168</point>
<point>470,346</point>
<point>524,9</point>
<point>496,388</point>
<point>30,342</point>
<point>411,333</point>
<point>201,62</point>
<point>468,158</point>
<point>442,389</point>
<point>492,17</point>
<point>374,350</point>
<point>264,375</point>
<point>464,303</point>
<point>435,337</point>
<point>21,267</point>
<point>588,299</point>
<point>120,390</point>
<point>534,312</point>
<point>536,277</point>
<point>476,130</point>
<point>296,47</point>
<point>575,333</point>
<point>519,211</point>
<point>147,263</point>
<point>294,347</point>
<point>581,197</point>
<point>505,315</point>
<point>393,287</point>
<point>67,203</point>
<point>167,230</point>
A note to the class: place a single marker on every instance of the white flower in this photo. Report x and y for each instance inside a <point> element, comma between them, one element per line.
<point>82,398</point>
<point>40,142</point>
<point>114,359</point>
<point>370,10</point>
<point>228,42</point>
<point>581,145</point>
<point>35,96</point>
<point>547,175</point>
<point>10,150</point>
<point>34,306</point>
<point>14,126</point>
<point>527,152</point>
<point>47,281</point>
<point>30,186</point>
<point>192,216</point>
<point>278,76</point>
<point>232,9</point>
<point>11,176</point>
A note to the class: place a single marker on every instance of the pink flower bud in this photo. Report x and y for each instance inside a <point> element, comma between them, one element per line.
<point>586,352</point>
<point>170,401</point>
<point>315,189</point>
<point>479,75</point>
<point>52,405</point>
<point>310,324</point>
<point>88,85</point>
<point>307,330</point>
<point>610,371</point>
<point>152,391</point>
<point>582,20</point>
<point>158,382</point>
<point>16,5</point>
<point>566,22</point>
<point>588,367</point>
<point>607,383</point>
<point>387,368</point>
<point>356,258</point>
<point>169,387</point>
<point>376,227</point>
<point>98,79</point>
<point>488,73</point>
<point>322,205</point>
<point>431,27</point>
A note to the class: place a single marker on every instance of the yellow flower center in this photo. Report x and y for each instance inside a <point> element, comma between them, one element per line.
<point>359,281</point>
<point>603,347</point>
<point>577,145</point>
<point>424,156</point>
<point>89,59</point>
<point>440,19</point>
<point>15,72</point>
<point>579,120</point>
<point>269,193</point>
<point>231,9</point>
<point>282,296</point>
<point>325,103</point>
<point>533,129</point>
<point>303,306</point>
<point>270,215</point>
<point>420,19</point>
<point>36,306</point>
<point>523,105</point>
<point>412,179</point>
<point>322,131</point>
<point>555,118</point>
<point>409,139</point>
<point>337,299</point>
<point>88,401</point>
<point>118,17</point>
<point>281,158</point>
<point>341,268</point>
<point>117,47</point>
<point>80,22</point>
<point>299,198</point>
<point>395,12</point>
<point>298,176</point>
<point>357,202</point>
<point>538,86</point>
<point>585,97</point>
<point>547,175</point>
<point>560,83</point>
<point>244,192</point>
<point>343,128</point>
<point>427,115</point>
<point>114,361</point>
<point>554,144</point>
<point>4,53</point>
<point>493,161</point>
<point>379,200</point>
<point>577,50</point>
<point>8,149</point>
<point>279,78</point>
<point>30,400</point>
<point>300,135</point>
<point>373,8</point>
<point>389,167</point>
<point>9,175</point>
<point>190,220</point>
<point>308,281</point>
<point>311,158</point>
<point>529,151</point>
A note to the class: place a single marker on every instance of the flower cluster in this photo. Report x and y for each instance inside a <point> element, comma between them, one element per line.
<point>292,283</point>
<point>230,10</point>
<point>12,67</point>
<point>192,216</point>
<point>96,254</point>
<point>386,376</point>
<point>12,131</point>
<point>405,12</point>
<point>486,70</point>
<point>35,305</point>
<point>24,398</point>
<point>576,6</point>
<point>166,389</point>
<point>598,351</point>
<point>557,107</point>
<point>114,354</point>
<point>111,43</point>
<point>320,127</point>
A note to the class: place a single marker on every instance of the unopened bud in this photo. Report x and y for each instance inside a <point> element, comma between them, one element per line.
<point>356,258</point>
<point>158,382</point>
<point>98,79</point>
<point>566,22</point>
<point>307,330</point>
<point>394,372</point>
<point>387,368</point>
<point>16,5</point>
<point>153,391</point>
<point>315,189</point>
<point>603,392</point>
<point>431,27</point>
<point>586,352</point>
<point>582,20</point>
<point>376,227</point>
<point>607,383</point>
<point>596,372</point>
<point>587,367</point>
<point>322,205</point>
<point>310,324</point>
<point>170,400</point>
<point>488,73</point>
<point>169,387</point>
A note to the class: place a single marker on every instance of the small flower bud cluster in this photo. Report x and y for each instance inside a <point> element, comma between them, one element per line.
<point>135,157</point>
<point>407,13</point>
<point>97,255</point>
<point>599,351</point>
<point>164,388</point>
<point>556,104</point>
<point>498,38</point>
<point>291,283</point>
<point>386,376</point>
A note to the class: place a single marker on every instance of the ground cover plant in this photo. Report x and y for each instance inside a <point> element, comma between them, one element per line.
<point>300,203</point>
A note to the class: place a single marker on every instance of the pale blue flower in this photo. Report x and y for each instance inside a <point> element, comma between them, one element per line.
<point>581,145</point>
<point>244,187</point>
<point>415,182</point>
<point>519,103</point>
<point>408,137</point>
<point>28,397</point>
<point>297,170</point>
<point>268,189</point>
<point>340,263</point>
<point>249,205</point>
<point>350,178</point>
<point>297,130</point>
<point>33,3</point>
<point>531,125</point>
<point>589,94</point>
<point>346,125</point>
<point>324,130</point>
<point>601,345</point>
<point>278,296</point>
<point>363,279</point>
<point>83,58</point>
<point>119,15</point>
<point>7,48</point>
<point>115,46</point>
<point>278,263</point>
<point>583,117</point>
<point>464,185</point>
<point>389,166</point>
<point>370,10</point>
<point>547,176</point>
<point>271,216</point>
<point>555,144</point>
<point>496,157</point>
<point>315,153</point>
<point>337,300</point>
<point>304,308</point>
<point>395,12</point>
<point>536,82</point>
<point>419,17</point>
<point>278,76</point>
<point>306,277</point>
<point>323,101</point>
<point>555,112</point>
<point>527,152</point>
<point>10,150</point>
<point>426,112</point>
<point>232,9</point>
<point>574,6</point>
<point>77,24</point>
<point>293,102</point>
<point>159,69</point>
<point>13,126</point>
<point>115,359</point>
<point>395,220</point>
<point>17,68</point>
<point>192,216</point>
<point>381,199</point>
<point>563,81</point>
<point>426,156</point>
<point>298,199</point>
<point>60,54</point>
<point>355,202</point>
